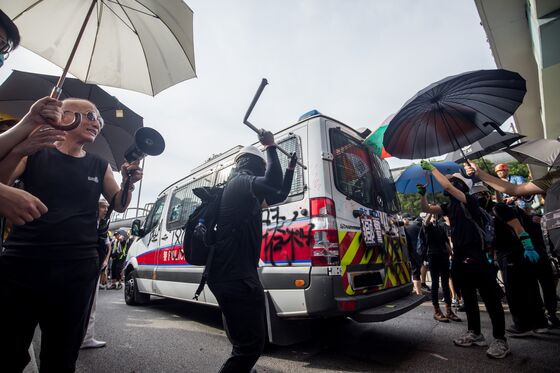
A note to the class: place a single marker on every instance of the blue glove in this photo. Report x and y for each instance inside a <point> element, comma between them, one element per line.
<point>530,254</point>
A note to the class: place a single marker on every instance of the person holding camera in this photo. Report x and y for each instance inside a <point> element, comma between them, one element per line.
<point>233,277</point>
<point>61,269</point>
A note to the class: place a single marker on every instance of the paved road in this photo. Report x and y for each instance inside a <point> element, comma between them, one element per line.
<point>172,336</point>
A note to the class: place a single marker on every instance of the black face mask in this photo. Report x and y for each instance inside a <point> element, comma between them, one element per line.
<point>251,164</point>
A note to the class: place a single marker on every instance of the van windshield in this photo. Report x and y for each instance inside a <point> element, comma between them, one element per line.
<point>360,175</point>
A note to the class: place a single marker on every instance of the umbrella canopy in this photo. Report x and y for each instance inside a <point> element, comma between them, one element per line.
<point>540,152</point>
<point>22,89</point>
<point>489,144</point>
<point>454,113</point>
<point>406,182</point>
<point>140,45</point>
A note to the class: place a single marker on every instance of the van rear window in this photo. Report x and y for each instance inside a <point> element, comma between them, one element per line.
<point>353,175</point>
<point>361,175</point>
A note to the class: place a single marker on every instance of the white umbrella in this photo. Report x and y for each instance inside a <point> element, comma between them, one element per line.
<point>140,45</point>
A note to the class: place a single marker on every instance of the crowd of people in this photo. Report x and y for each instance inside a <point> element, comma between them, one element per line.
<point>487,233</point>
<point>463,243</point>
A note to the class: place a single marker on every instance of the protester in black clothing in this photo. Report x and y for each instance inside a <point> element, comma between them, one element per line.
<point>17,205</point>
<point>519,274</point>
<point>434,235</point>
<point>274,198</point>
<point>58,251</point>
<point>411,230</point>
<point>470,268</point>
<point>233,276</point>
<point>120,246</point>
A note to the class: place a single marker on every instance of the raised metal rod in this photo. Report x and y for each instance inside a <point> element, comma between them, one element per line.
<point>57,90</point>
<point>263,84</point>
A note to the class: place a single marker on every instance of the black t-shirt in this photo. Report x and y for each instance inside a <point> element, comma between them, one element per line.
<point>506,241</point>
<point>411,231</point>
<point>239,232</point>
<point>436,237</point>
<point>238,247</point>
<point>466,238</point>
<point>70,188</point>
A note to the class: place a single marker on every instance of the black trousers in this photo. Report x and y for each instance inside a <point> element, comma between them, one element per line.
<point>54,294</point>
<point>439,268</point>
<point>474,276</point>
<point>522,292</point>
<point>243,309</point>
<point>545,276</point>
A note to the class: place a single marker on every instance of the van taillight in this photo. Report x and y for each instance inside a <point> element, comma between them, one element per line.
<point>324,242</point>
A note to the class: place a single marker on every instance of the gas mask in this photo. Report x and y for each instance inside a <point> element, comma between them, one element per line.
<point>251,164</point>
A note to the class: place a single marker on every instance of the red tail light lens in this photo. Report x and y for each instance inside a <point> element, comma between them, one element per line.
<point>324,245</point>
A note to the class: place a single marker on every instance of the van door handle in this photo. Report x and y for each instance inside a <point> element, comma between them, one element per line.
<point>164,237</point>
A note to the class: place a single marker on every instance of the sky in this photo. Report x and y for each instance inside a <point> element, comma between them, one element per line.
<point>357,61</point>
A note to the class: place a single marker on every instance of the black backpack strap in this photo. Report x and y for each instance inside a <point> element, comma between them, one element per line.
<point>208,265</point>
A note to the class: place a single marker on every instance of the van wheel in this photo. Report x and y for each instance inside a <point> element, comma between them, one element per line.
<point>132,296</point>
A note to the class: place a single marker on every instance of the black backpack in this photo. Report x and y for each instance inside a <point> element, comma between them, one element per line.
<point>199,249</point>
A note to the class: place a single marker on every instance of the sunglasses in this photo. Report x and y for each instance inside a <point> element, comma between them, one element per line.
<point>90,115</point>
<point>5,46</point>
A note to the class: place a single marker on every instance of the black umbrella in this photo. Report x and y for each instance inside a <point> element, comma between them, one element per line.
<point>540,152</point>
<point>453,113</point>
<point>486,145</point>
<point>22,89</point>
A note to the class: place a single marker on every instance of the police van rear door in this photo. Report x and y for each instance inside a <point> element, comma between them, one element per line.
<point>371,245</point>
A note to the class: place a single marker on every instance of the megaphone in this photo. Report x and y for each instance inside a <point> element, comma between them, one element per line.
<point>147,141</point>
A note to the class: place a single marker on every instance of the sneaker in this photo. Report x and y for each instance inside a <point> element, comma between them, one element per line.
<point>462,308</point>
<point>455,302</point>
<point>516,331</point>
<point>469,339</point>
<point>498,349</point>
<point>119,286</point>
<point>425,287</point>
<point>102,287</point>
<point>93,343</point>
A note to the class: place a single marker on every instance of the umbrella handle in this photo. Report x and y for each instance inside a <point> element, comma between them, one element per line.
<point>495,126</point>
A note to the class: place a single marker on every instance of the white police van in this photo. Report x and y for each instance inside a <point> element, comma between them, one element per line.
<point>335,247</point>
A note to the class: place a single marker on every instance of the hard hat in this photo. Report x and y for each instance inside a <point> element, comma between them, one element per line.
<point>501,167</point>
<point>459,176</point>
<point>253,150</point>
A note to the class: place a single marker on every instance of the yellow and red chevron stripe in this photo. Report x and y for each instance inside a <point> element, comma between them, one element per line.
<point>353,251</point>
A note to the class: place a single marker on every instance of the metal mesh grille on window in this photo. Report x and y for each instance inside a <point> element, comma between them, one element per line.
<point>183,203</point>
<point>292,145</point>
<point>223,175</point>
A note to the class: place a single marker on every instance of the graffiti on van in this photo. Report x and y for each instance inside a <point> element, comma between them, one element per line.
<point>285,241</point>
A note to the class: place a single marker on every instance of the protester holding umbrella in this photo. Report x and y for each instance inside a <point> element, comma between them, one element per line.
<point>549,184</point>
<point>470,269</point>
<point>59,249</point>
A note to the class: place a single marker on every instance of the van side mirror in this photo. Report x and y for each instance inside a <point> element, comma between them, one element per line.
<point>136,229</point>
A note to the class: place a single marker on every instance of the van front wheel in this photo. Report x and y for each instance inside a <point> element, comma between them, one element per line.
<point>132,296</point>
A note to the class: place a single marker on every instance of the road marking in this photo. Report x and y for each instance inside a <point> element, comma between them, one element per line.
<point>439,356</point>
